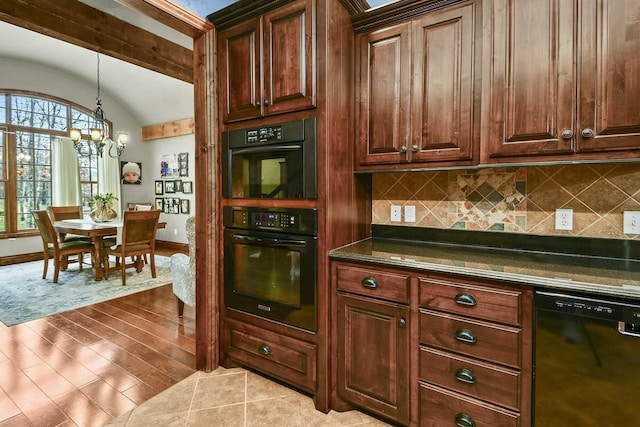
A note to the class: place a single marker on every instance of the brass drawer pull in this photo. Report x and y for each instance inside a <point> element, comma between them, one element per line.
<point>369,282</point>
<point>264,349</point>
<point>402,323</point>
<point>464,420</point>
<point>464,298</point>
<point>465,376</point>
<point>465,335</point>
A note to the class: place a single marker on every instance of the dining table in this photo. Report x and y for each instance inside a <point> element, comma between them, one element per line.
<point>97,231</point>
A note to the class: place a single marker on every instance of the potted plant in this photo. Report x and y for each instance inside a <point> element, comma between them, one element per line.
<point>103,207</point>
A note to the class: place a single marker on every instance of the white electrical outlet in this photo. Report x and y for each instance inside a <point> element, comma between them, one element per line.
<point>564,219</point>
<point>396,213</point>
<point>631,221</point>
<point>409,213</point>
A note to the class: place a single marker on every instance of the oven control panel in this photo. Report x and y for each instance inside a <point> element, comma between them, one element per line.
<point>290,220</point>
<point>264,134</point>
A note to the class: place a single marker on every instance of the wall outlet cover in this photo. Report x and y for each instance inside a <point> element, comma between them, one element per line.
<point>396,213</point>
<point>564,219</point>
<point>631,222</point>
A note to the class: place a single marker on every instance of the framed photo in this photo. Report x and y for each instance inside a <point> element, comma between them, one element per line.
<point>169,166</point>
<point>184,206</point>
<point>175,205</point>
<point>159,188</point>
<point>187,187</point>
<point>131,172</point>
<point>178,186</point>
<point>166,205</point>
<point>169,186</point>
<point>160,203</point>
<point>183,164</point>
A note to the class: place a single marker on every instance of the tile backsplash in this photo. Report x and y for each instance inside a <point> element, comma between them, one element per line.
<point>514,199</point>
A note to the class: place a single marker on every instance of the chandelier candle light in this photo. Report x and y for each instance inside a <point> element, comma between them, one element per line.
<point>99,133</point>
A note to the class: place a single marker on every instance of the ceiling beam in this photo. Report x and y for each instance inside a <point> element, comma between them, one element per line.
<point>172,15</point>
<point>168,130</point>
<point>81,25</point>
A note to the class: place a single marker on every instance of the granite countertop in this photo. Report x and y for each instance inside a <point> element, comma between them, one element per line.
<point>577,273</point>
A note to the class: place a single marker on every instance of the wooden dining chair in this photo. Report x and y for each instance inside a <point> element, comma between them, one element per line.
<point>55,249</point>
<point>138,239</point>
<point>60,213</point>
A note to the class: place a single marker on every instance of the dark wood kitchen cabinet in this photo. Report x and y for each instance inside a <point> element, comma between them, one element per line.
<point>564,80</point>
<point>417,83</point>
<point>428,349</point>
<point>475,353</point>
<point>374,341</point>
<point>267,63</point>
<point>298,55</point>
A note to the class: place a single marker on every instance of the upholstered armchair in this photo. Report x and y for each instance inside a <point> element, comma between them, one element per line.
<point>183,270</point>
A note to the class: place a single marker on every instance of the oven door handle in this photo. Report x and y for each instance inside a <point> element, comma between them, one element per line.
<point>270,242</point>
<point>266,149</point>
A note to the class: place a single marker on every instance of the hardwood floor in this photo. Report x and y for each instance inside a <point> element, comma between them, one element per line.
<point>86,366</point>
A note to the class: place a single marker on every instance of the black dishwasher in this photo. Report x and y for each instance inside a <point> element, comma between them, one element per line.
<point>587,361</point>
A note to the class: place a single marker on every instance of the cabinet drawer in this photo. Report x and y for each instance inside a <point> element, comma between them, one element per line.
<point>492,342</point>
<point>487,382</point>
<point>374,283</point>
<point>283,357</point>
<point>443,408</point>
<point>477,301</point>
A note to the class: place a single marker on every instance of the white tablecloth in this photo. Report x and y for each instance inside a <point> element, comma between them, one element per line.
<point>117,224</point>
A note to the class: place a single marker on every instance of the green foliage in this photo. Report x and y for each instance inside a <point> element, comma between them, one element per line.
<point>102,200</point>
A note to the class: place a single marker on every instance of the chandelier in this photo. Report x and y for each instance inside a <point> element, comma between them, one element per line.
<point>99,132</point>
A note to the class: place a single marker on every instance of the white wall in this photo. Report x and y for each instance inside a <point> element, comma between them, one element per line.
<point>33,76</point>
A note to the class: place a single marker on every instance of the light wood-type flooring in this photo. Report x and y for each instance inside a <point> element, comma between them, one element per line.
<point>86,366</point>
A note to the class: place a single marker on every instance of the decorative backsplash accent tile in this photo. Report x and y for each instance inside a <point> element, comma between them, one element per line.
<point>514,199</point>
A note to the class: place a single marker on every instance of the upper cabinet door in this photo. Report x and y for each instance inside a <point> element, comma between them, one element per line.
<point>443,85</point>
<point>532,80</point>
<point>384,82</point>
<point>267,63</point>
<point>288,58</point>
<point>565,80</point>
<point>609,75</point>
<point>240,69</point>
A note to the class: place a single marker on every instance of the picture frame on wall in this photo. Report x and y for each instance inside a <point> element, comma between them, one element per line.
<point>160,203</point>
<point>175,205</point>
<point>184,206</point>
<point>178,186</point>
<point>170,186</point>
<point>187,187</point>
<point>183,164</point>
<point>159,188</point>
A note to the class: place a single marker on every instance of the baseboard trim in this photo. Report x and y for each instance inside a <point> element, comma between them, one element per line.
<point>36,256</point>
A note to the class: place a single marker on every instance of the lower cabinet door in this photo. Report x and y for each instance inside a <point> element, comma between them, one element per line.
<point>442,408</point>
<point>373,356</point>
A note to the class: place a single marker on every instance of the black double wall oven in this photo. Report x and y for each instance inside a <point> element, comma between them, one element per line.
<point>270,253</point>
<point>270,263</point>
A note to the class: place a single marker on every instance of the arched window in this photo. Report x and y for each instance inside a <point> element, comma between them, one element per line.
<point>30,125</point>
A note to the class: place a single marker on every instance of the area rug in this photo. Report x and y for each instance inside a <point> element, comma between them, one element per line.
<point>25,296</point>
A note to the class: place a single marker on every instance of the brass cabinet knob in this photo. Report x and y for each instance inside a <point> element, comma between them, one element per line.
<point>264,349</point>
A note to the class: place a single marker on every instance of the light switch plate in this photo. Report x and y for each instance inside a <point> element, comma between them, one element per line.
<point>396,213</point>
<point>409,213</point>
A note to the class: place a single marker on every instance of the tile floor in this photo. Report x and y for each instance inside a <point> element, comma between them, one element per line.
<point>235,398</point>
